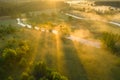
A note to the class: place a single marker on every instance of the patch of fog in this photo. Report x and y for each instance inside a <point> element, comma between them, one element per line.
<point>47,31</point>
<point>84,41</point>
<point>37,28</point>
<point>18,20</point>
<point>54,31</point>
<point>115,23</point>
<point>42,29</point>
<point>28,26</point>
<point>24,19</point>
<point>21,24</point>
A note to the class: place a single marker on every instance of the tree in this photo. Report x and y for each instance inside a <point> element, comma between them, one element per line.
<point>57,76</point>
<point>10,78</point>
<point>24,76</point>
<point>2,73</point>
<point>9,54</point>
<point>9,57</point>
<point>111,40</point>
<point>31,78</point>
<point>24,46</point>
<point>23,63</point>
<point>40,70</point>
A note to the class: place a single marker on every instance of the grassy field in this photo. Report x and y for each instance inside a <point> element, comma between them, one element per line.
<point>8,22</point>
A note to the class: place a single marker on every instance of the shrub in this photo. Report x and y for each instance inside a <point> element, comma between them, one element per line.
<point>4,29</point>
<point>42,72</point>
<point>9,54</point>
<point>31,78</point>
<point>24,76</point>
<point>10,78</point>
<point>111,41</point>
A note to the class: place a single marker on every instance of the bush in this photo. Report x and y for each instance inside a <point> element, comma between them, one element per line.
<point>23,63</point>
<point>111,41</point>
<point>31,78</point>
<point>2,73</point>
<point>42,72</point>
<point>10,78</point>
<point>4,30</point>
<point>9,54</point>
<point>24,76</point>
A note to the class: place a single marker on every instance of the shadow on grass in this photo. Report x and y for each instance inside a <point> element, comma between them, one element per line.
<point>46,50</point>
<point>50,57</point>
<point>75,69</point>
<point>116,72</point>
<point>40,48</point>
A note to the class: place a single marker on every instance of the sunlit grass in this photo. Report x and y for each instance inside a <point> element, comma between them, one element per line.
<point>59,54</point>
<point>97,62</point>
<point>35,44</point>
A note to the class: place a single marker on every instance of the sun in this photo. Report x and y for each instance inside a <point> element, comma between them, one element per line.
<point>53,3</point>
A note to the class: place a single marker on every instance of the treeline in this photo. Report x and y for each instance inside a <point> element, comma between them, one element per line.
<point>14,8</point>
<point>7,29</point>
<point>108,3</point>
<point>112,42</point>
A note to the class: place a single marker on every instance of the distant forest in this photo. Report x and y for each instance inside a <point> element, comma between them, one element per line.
<point>8,8</point>
<point>109,3</point>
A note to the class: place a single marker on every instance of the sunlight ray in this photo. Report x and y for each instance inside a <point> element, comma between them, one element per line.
<point>35,44</point>
<point>59,54</point>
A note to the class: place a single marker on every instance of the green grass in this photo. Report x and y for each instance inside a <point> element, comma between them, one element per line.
<point>8,22</point>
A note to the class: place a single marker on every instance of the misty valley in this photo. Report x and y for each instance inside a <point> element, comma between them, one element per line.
<point>59,40</point>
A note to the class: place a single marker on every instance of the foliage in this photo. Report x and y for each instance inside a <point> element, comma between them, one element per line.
<point>5,30</point>
<point>39,70</point>
<point>65,30</point>
<point>42,72</point>
<point>24,76</point>
<point>9,54</point>
<point>111,41</point>
<point>10,78</point>
<point>31,78</point>
<point>13,57</point>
